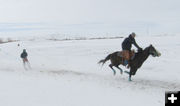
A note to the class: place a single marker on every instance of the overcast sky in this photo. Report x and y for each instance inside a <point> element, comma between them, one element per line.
<point>162,14</point>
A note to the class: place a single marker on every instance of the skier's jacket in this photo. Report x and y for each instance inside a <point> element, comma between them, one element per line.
<point>24,55</point>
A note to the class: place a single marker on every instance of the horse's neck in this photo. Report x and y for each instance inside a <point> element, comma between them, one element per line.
<point>143,56</point>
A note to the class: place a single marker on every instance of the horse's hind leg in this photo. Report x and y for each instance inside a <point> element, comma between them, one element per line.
<point>110,65</point>
<point>121,71</point>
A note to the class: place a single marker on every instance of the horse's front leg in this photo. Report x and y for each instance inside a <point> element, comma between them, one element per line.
<point>134,72</point>
<point>130,74</point>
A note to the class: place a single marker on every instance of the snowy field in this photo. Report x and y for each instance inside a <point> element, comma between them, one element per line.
<point>66,73</point>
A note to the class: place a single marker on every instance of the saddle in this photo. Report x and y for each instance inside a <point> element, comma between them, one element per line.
<point>126,55</point>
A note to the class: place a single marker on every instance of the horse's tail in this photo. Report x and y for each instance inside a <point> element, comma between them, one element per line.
<point>104,60</point>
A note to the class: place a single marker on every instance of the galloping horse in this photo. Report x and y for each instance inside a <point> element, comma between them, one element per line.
<point>134,64</point>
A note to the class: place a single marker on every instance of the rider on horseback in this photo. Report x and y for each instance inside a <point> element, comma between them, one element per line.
<point>126,47</point>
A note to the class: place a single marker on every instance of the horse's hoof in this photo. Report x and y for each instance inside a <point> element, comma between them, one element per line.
<point>130,80</point>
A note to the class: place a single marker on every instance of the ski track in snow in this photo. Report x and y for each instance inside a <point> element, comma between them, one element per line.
<point>118,81</point>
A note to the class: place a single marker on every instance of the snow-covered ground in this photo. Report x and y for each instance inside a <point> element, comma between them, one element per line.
<point>66,73</point>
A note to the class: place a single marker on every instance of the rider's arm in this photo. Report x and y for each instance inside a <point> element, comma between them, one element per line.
<point>135,44</point>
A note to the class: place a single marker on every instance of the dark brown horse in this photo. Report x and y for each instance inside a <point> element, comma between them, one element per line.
<point>134,64</point>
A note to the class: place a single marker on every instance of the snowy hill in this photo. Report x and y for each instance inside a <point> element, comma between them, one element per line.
<point>66,73</point>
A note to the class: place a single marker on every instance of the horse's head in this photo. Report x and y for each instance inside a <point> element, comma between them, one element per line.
<point>153,51</point>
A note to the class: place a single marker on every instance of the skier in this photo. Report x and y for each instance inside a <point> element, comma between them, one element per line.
<point>24,58</point>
